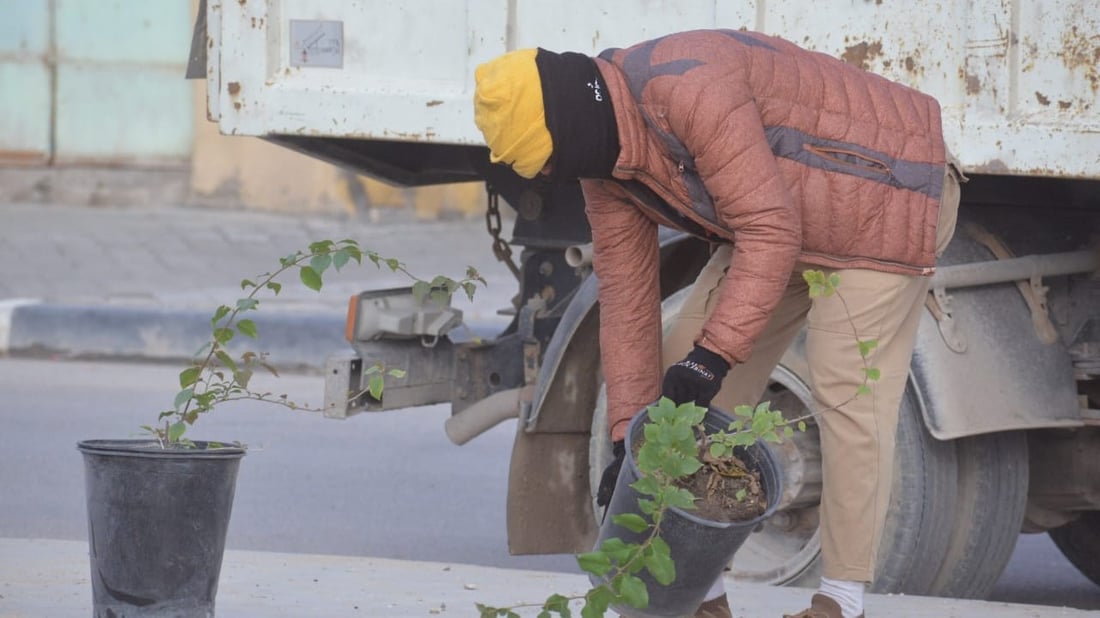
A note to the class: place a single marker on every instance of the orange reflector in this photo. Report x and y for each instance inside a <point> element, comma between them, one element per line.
<point>353,313</point>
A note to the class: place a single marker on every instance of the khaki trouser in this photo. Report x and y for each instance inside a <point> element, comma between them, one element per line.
<point>857,439</point>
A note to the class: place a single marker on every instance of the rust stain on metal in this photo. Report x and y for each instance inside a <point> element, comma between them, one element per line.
<point>234,88</point>
<point>973,84</point>
<point>1041,99</point>
<point>1081,51</point>
<point>434,102</point>
<point>862,54</point>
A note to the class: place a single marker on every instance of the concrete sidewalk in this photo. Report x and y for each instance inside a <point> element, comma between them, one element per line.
<point>142,283</point>
<point>44,578</point>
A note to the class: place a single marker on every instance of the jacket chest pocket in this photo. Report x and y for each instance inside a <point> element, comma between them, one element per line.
<point>840,159</point>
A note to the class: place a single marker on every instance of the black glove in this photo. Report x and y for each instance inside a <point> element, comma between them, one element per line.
<point>696,378</point>
<point>611,474</point>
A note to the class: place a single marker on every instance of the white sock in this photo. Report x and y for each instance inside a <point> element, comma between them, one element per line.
<point>847,593</point>
<point>717,589</point>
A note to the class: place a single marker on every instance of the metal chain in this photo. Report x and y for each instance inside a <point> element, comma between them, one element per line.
<point>501,249</point>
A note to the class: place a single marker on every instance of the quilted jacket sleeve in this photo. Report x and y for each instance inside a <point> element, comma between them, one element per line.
<point>719,124</point>
<point>625,256</point>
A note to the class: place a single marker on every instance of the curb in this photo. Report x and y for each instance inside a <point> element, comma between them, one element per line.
<point>30,328</point>
<point>293,340</point>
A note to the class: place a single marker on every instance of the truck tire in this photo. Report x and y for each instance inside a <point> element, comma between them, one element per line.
<point>786,550</point>
<point>992,486</point>
<point>1079,542</point>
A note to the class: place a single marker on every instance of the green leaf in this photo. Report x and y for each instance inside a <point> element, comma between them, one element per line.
<point>596,602</point>
<point>745,411</point>
<point>184,396</point>
<point>558,603</point>
<point>865,347</point>
<point>420,291</point>
<point>633,591</point>
<point>396,373</point>
<point>660,565</point>
<point>226,360</point>
<point>320,246</point>
<point>223,335</point>
<point>718,450</point>
<point>470,288</point>
<point>275,287</point>
<point>863,390</point>
<point>647,485</point>
<point>320,263</point>
<point>680,498</point>
<point>310,278</point>
<point>175,431</point>
<point>440,296</point>
<point>242,377</point>
<point>375,386</point>
<point>594,562</point>
<point>617,549</point>
<point>802,426</point>
<point>664,409</point>
<point>340,258</point>
<point>631,521</point>
<point>220,313</point>
<point>247,328</point>
<point>189,376</point>
<point>245,284</point>
<point>834,281</point>
<point>873,373</point>
<point>393,264</point>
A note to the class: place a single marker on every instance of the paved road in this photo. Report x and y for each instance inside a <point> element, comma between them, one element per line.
<point>387,485</point>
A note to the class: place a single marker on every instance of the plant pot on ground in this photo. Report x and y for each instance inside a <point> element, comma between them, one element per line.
<point>734,490</point>
<point>159,508</point>
<point>157,520</point>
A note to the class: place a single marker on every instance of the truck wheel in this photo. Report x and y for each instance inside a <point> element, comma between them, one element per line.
<point>786,550</point>
<point>1079,541</point>
<point>989,512</point>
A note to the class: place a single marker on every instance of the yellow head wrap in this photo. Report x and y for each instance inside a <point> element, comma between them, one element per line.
<point>508,110</point>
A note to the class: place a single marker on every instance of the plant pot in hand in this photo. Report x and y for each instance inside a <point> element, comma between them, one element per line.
<point>157,521</point>
<point>701,548</point>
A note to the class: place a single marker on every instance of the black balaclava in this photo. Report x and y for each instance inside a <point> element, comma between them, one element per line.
<point>579,116</point>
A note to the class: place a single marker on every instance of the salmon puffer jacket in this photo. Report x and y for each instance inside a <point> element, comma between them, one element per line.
<point>790,155</point>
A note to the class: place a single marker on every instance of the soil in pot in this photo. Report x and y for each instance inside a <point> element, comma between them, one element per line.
<point>726,490</point>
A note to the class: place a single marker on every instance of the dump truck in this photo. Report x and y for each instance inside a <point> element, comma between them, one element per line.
<point>999,429</point>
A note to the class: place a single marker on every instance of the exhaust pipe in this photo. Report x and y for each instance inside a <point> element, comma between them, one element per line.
<point>483,416</point>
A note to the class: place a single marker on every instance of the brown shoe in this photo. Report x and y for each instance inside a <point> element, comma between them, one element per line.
<point>718,607</point>
<point>821,606</point>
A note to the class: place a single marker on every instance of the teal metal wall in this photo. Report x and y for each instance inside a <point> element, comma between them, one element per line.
<point>95,81</point>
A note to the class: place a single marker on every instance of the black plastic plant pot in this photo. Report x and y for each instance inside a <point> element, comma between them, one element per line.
<point>700,548</point>
<point>157,520</point>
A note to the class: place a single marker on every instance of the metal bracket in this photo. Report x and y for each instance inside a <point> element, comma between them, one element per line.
<point>532,352</point>
<point>939,303</point>
<point>1033,290</point>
